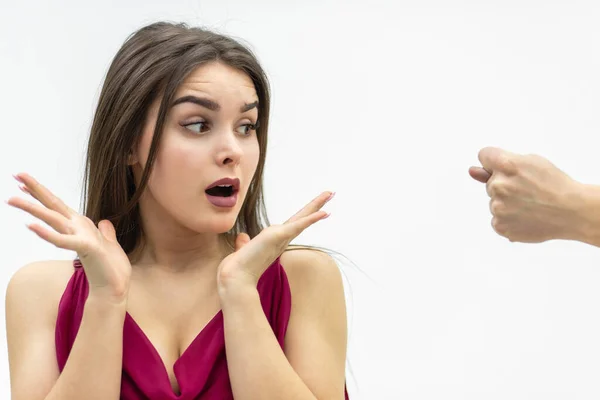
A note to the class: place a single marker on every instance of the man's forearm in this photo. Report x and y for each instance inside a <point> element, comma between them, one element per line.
<point>586,227</point>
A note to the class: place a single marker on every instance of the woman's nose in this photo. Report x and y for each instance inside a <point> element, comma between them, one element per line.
<point>230,150</point>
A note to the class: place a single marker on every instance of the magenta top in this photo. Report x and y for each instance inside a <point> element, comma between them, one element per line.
<point>201,370</point>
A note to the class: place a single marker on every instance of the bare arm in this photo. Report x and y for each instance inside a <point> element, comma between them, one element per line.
<point>93,369</point>
<point>589,210</point>
<point>313,364</point>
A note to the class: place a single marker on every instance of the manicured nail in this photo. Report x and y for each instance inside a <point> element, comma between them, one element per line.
<point>330,196</point>
<point>326,216</point>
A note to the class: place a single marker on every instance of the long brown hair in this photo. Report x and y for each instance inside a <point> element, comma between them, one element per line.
<point>153,62</point>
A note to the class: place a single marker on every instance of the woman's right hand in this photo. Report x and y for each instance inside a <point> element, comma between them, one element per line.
<point>106,265</point>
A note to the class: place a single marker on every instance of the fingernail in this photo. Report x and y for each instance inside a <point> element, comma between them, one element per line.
<point>326,216</point>
<point>331,196</point>
<point>17,178</point>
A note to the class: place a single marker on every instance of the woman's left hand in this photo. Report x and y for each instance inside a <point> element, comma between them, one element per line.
<point>244,267</point>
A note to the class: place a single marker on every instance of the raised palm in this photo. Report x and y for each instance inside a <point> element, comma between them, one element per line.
<point>106,265</point>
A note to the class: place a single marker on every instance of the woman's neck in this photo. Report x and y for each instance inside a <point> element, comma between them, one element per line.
<point>180,257</point>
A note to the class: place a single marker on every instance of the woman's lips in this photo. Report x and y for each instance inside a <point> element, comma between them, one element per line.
<point>224,202</point>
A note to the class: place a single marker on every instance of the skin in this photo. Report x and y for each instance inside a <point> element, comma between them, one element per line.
<point>532,201</point>
<point>174,284</point>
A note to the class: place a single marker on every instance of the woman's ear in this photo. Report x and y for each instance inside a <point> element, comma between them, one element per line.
<point>131,157</point>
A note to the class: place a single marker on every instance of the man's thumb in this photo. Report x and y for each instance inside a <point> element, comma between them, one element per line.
<point>488,157</point>
<point>479,174</point>
<point>495,159</point>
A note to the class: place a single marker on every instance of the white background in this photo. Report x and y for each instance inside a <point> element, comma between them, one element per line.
<point>388,103</point>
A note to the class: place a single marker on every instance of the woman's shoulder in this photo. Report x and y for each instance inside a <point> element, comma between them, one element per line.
<point>310,270</point>
<point>41,283</point>
<point>44,275</point>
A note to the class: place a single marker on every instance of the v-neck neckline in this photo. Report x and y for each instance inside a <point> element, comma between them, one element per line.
<point>185,354</point>
<point>200,370</point>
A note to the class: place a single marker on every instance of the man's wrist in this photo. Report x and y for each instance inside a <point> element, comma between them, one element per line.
<point>585,227</point>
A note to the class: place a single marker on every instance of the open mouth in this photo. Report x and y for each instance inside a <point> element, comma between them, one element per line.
<point>221,191</point>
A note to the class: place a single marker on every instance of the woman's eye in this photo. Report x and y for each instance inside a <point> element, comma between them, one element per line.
<point>246,129</point>
<point>197,127</point>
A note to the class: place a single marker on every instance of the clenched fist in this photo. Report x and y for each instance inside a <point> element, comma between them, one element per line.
<point>531,200</point>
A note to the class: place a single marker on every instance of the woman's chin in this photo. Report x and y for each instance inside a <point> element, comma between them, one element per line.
<point>221,225</point>
<point>216,224</point>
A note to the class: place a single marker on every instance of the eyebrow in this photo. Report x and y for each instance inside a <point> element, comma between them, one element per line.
<point>249,106</point>
<point>211,105</point>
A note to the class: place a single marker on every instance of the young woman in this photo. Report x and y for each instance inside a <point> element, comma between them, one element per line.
<point>180,289</point>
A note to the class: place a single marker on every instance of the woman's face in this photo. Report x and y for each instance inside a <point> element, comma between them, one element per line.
<point>208,136</point>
